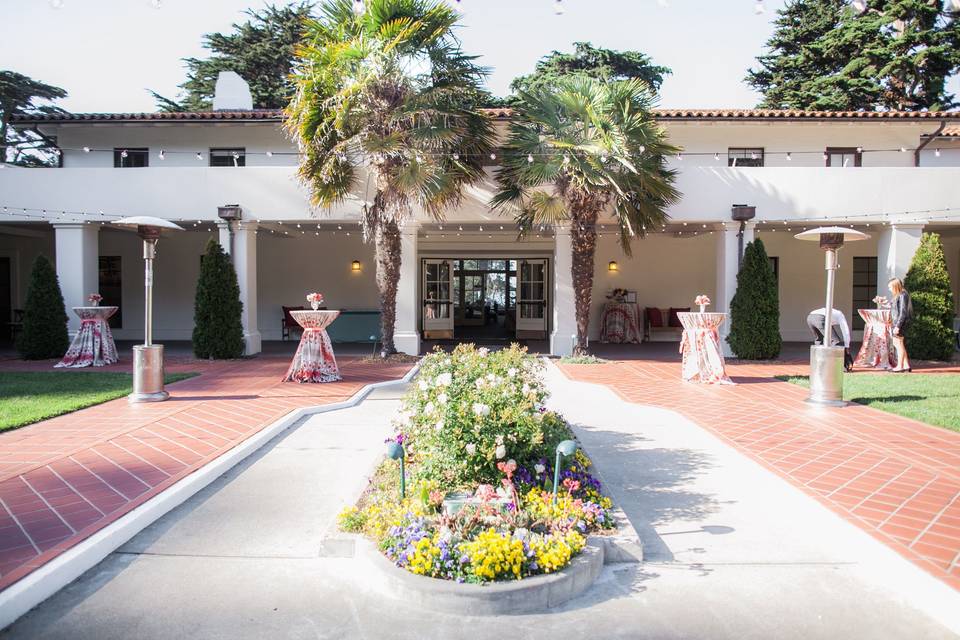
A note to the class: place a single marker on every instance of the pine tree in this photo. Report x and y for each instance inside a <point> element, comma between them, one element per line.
<point>44,332</point>
<point>897,54</point>
<point>930,335</point>
<point>217,330</point>
<point>755,308</point>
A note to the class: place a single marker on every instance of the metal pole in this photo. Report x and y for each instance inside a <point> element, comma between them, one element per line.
<point>830,256</point>
<point>403,477</point>
<point>149,251</point>
<point>556,477</point>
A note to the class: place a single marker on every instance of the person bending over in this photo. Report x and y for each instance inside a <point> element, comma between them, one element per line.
<point>840,330</point>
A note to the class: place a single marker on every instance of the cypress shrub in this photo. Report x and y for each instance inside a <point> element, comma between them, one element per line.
<point>755,308</point>
<point>217,331</point>
<point>44,332</point>
<point>930,335</point>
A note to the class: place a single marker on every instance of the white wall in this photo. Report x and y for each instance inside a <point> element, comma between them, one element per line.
<point>291,267</point>
<point>665,271</point>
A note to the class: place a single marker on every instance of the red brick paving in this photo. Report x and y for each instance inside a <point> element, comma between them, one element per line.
<point>896,478</point>
<point>64,479</point>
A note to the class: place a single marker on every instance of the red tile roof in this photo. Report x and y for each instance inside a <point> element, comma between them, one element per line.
<point>950,132</point>
<point>505,113</point>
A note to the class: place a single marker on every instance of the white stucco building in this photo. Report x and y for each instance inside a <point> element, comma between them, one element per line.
<point>893,175</point>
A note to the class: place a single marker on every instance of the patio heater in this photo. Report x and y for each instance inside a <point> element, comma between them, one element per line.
<point>148,357</point>
<point>826,362</point>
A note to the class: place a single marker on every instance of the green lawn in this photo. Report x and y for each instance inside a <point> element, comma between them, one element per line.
<point>933,398</point>
<point>30,396</point>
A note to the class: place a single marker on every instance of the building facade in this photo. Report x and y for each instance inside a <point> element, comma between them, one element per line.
<point>892,175</point>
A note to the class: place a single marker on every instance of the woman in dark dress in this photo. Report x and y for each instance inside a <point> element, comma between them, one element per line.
<point>901,312</point>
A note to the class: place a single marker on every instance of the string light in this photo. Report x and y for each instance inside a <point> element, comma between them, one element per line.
<point>161,154</point>
<point>758,8</point>
<point>558,7</point>
<point>87,149</point>
<point>358,7</point>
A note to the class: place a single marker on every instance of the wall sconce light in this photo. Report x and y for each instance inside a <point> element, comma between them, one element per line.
<point>355,266</point>
<point>613,267</point>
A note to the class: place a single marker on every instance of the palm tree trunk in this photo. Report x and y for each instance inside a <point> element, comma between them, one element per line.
<point>583,236</point>
<point>388,257</point>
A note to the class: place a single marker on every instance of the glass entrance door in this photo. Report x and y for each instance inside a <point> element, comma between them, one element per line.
<point>532,300</point>
<point>437,301</point>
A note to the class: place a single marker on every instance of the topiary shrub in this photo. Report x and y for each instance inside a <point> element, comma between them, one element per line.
<point>44,332</point>
<point>217,330</point>
<point>930,335</point>
<point>755,308</point>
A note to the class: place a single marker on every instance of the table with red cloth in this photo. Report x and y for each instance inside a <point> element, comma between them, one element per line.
<point>700,346</point>
<point>620,323</point>
<point>314,360</point>
<point>877,349</point>
<point>93,345</point>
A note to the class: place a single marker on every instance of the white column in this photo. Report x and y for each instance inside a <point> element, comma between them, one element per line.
<point>896,245</point>
<point>78,253</point>
<point>224,228</point>
<point>406,336</point>
<point>728,266</point>
<point>564,334</point>
<point>245,262</point>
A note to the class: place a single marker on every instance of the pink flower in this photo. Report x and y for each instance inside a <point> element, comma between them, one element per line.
<point>486,492</point>
<point>507,468</point>
<point>571,484</point>
<point>315,297</point>
<point>436,497</point>
<point>94,297</point>
<point>702,300</point>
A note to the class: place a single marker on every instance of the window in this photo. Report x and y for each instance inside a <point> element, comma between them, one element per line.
<point>129,157</point>
<point>228,157</point>
<point>745,157</point>
<point>864,287</point>
<point>111,288</point>
<point>775,265</point>
<point>843,156</point>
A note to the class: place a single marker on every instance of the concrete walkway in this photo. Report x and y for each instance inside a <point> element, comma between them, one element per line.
<point>736,552</point>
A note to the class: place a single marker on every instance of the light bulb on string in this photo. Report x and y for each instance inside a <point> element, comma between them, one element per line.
<point>56,4</point>
<point>86,149</point>
<point>493,156</point>
<point>161,154</point>
<point>358,7</point>
<point>789,156</point>
<point>199,156</point>
<point>269,154</point>
<point>156,4</point>
<point>758,8</point>
<point>456,156</point>
<point>936,152</point>
<point>124,154</point>
<point>558,8</point>
<point>529,158</point>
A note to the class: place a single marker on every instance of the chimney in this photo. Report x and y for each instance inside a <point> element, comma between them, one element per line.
<point>232,93</point>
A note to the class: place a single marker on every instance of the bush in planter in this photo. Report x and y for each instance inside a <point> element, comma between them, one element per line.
<point>930,335</point>
<point>755,308</point>
<point>217,330</point>
<point>472,408</point>
<point>44,332</point>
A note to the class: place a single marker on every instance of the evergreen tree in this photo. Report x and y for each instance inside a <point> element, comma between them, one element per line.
<point>755,308</point>
<point>261,51</point>
<point>601,64</point>
<point>896,54</point>
<point>44,332</point>
<point>19,95</point>
<point>217,331</point>
<point>930,335</point>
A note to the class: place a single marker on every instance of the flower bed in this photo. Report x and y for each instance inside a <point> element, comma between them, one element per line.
<point>479,449</point>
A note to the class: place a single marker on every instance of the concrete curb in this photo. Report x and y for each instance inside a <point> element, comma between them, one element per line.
<point>34,588</point>
<point>536,593</point>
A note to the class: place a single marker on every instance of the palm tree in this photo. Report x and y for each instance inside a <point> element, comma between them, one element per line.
<point>385,96</point>
<point>581,149</point>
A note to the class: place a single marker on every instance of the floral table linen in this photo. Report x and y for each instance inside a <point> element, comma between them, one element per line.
<point>93,345</point>
<point>877,349</point>
<point>700,346</point>
<point>620,323</point>
<point>314,360</point>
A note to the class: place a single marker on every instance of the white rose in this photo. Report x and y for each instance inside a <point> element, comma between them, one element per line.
<point>483,351</point>
<point>428,408</point>
<point>480,409</point>
<point>442,398</point>
<point>539,468</point>
<point>471,449</point>
<point>511,372</point>
<point>423,385</point>
<point>439,425</point>
<point>525,388</point>
<point>444,379</point>
<point>501,451</point>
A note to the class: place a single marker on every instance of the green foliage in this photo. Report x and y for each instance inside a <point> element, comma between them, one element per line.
<point>606,65</point>
<point>930,335</point>
<point>18,96</point>
<point>755,308</point>
<point>217,330</point>
<point>591,141</point>
<point>472,408</point>
<point>260,50</point>
<point>898,54</point>
<point>44,332</point>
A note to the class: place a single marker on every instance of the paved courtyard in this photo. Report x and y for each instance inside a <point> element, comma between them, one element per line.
<point>733,550</point>
<point>62,480</point>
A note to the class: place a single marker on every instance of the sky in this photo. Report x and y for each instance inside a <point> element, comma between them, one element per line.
<point>106,53</point>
